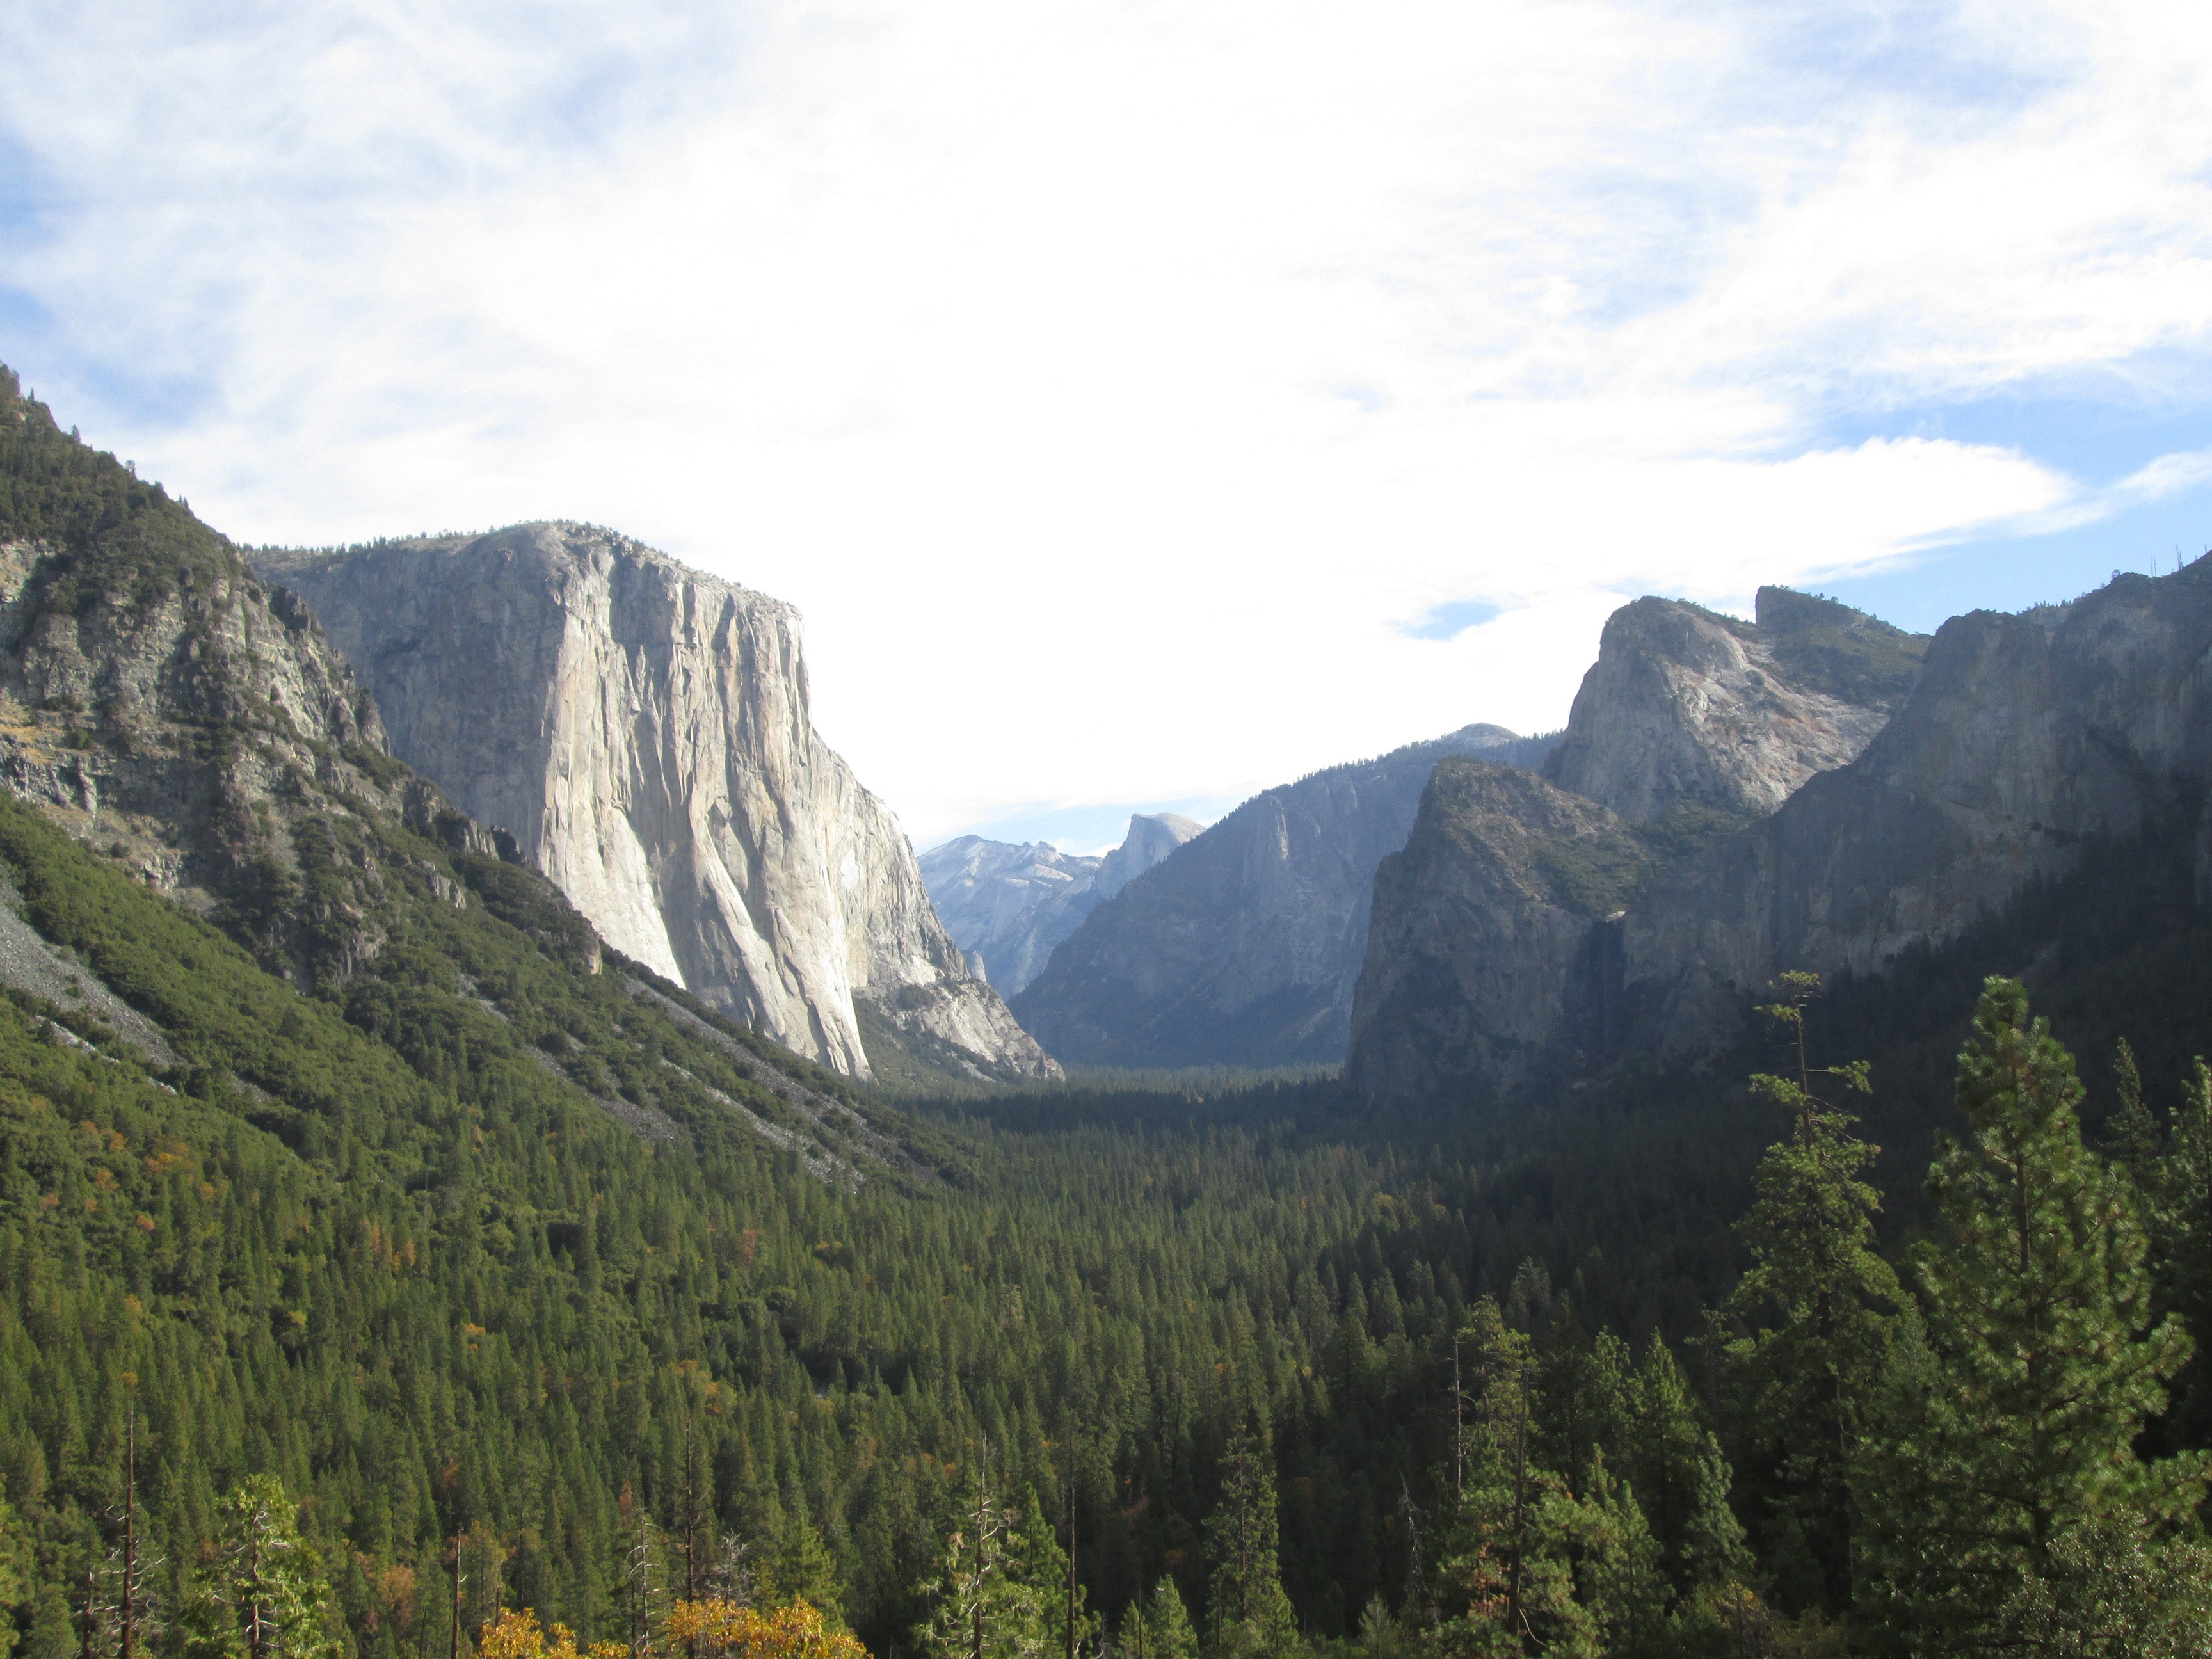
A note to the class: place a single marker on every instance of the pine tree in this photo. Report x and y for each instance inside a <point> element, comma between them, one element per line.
<point>15,1578</point>
<point>1681,1479</point>
<point>264,1596</point>
<point>799,1569</point>
<point>2010,1437</point>
<point>1618,1573</point>
<point>1161,1629</point>
<point>2180,1199</point>
<point>983,1607</point>
<point>2132,1133</point>
<point>1820,1299</point>
<point>1508,1570</point>
<point>1248,1613</point>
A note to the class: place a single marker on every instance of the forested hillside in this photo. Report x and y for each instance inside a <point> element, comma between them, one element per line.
<point>380,1256</point>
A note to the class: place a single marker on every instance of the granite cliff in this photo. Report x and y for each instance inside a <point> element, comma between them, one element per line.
<point>2029,741</point>
<point>642,732</point>
<point>1242,946</point>
<point>2024,746</point>
<point>1685,709</point>
<point>1009,905</point>
<point>1495,959</point>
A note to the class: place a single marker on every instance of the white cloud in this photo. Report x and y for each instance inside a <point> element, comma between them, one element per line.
<point>1111,382</point>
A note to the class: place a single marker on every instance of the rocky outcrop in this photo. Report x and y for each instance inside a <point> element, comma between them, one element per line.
<point>643,732</point>
<point>161,701</point>
<point>1153,837</point>
<point>2027,737</point>
<point>1243,946</point>
<point>1686,708</point>
<point>1491,952</point>
<point>2022,742</point>
<point>1011,905</point>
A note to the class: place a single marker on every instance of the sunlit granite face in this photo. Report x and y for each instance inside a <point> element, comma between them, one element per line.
<point>643,732</point>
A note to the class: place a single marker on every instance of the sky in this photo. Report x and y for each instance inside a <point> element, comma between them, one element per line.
<point>1148,403</point>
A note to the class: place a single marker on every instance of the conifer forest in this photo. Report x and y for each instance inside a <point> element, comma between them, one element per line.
<point>492,1297</point>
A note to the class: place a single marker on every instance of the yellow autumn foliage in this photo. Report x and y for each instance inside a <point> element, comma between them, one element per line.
<point>516,1634</point>
<point>723,1630</point>
<point>709,1629</point>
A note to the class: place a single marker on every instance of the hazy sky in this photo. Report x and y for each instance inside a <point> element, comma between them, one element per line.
<point>1147,402</point>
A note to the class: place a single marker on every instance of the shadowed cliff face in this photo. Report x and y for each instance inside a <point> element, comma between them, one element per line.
<point>2021,739</point>
<point>1242,946</point>
<point>2025,736</point>
<point>643,732</point>
<point>1491,943</point>
<point>1497,954</point>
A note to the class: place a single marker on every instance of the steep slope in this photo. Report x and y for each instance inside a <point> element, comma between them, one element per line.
<point>2024,743</point>
<point>2026,738</point>
<point>1689,727</point>
<point>1488,953</point>
<point>1243,946</point>
<point>1688,710</point>
<point>164,705</point>
<point>1012,905</point>
<point>154,693</point>
<point>642,730</point>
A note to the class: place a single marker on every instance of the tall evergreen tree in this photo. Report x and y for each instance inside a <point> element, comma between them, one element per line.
<point>1247,1611</point>
<point>2179,1191</point>
<point>15,1576</point>
<point>1159,1627</point>
<point>1820,1299</point>
<point>986,1605</point>
<point>2132,1131</point>
<point>1680,1480</point>
<point>1508,1570</point>
<point>2010,1437</point>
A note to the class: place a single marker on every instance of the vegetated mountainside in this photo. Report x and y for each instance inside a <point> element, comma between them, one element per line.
<point>493,1242</point>
<point>643,732</point>
<point>2021,737</point>
<point>384,1178</point>
<point>1242,947</point>
<point>1011,905</point>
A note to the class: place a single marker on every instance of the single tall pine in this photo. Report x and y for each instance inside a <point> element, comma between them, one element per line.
<point>1248,1613</point>
<point>2010,1444</point>
<point>1819,1300</point>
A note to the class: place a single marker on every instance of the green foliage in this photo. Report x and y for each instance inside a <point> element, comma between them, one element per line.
<point>1157,1627</point>
<point>1248,1612</point>
<point>2131,1133</point>
<point>997,1582</point>
<point>1687,827</point>
<point>2178,1186</point>
<point>15,1581</point>
<point>264,1596</point>
<point>1819,1301</point>
<point>2011,1426</point>
<point>117,539</point>
<point>1592,875</point>
<point>1508,1571</point>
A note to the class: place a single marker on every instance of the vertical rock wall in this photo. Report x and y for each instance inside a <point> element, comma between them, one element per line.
<point>643,732</point>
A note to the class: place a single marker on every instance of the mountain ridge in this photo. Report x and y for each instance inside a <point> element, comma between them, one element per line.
<point>1243,946</point>
<point>1012,905</point>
